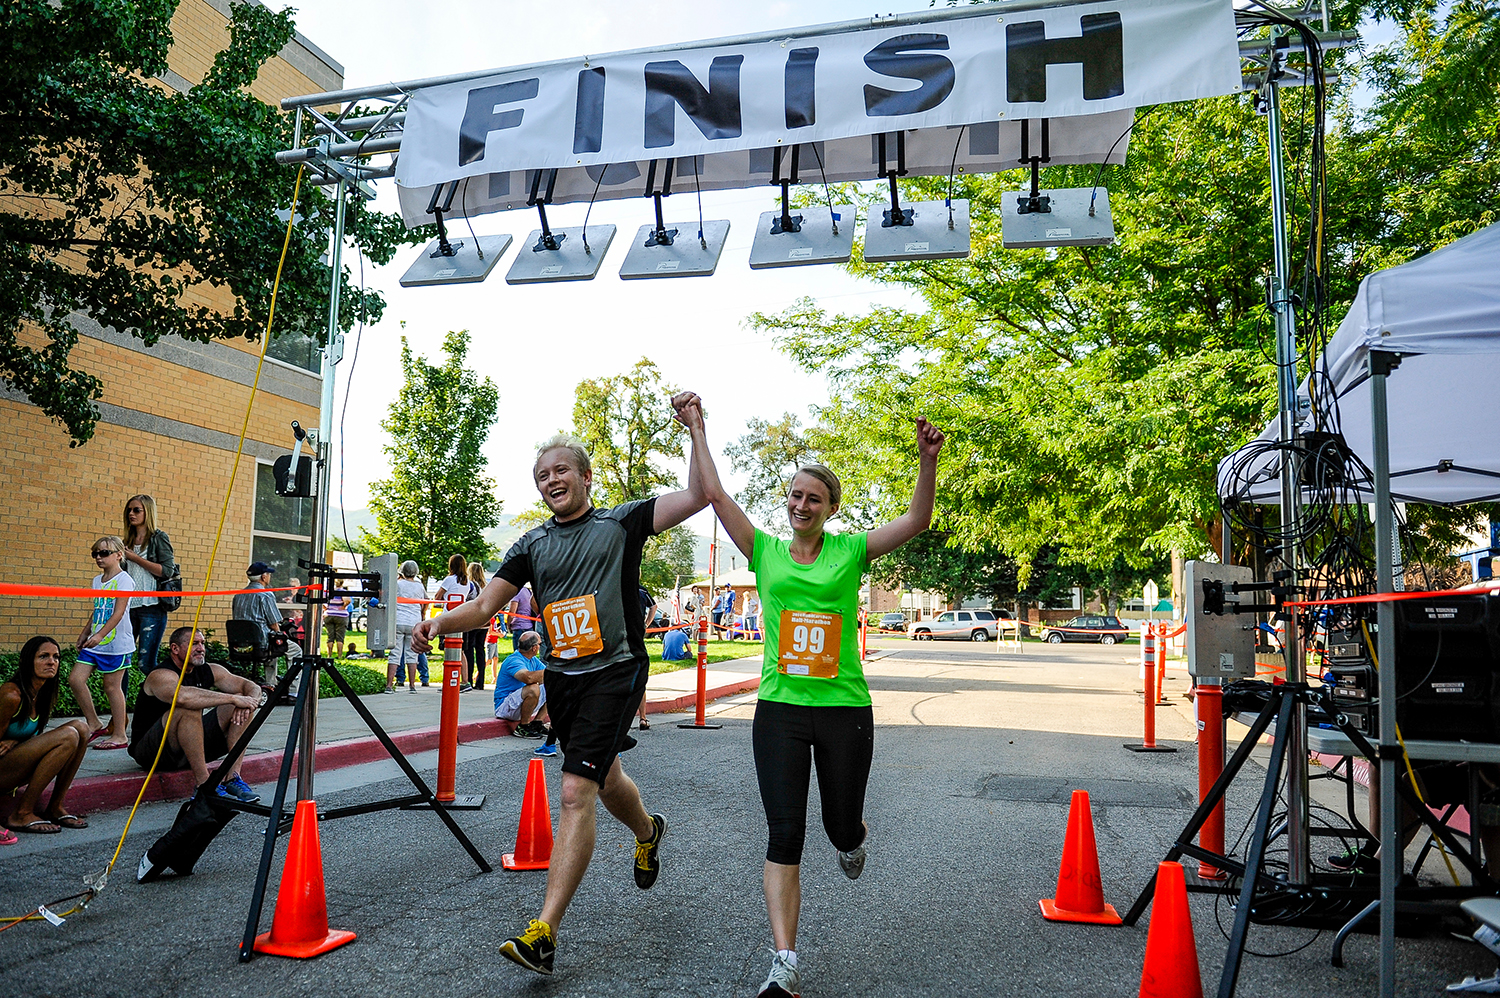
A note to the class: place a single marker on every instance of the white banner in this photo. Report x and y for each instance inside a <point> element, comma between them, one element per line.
<point>998,66</point>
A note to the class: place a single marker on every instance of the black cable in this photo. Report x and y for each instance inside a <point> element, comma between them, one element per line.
<point>590,210</point>
<point>1094,193</point>
<point>463,209</point>
<point>952,169</point>
<point>699,183</point>
<point>827,194</point>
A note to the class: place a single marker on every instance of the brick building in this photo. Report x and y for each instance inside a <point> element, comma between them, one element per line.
<point>169,422</point>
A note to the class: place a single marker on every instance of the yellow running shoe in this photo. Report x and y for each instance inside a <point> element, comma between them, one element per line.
<point>532,949</point>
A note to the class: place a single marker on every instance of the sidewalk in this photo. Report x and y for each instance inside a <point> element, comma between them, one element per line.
<point>111,779</point>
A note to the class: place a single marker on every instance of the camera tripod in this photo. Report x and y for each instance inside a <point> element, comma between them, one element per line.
<point>279,818</point>
<point>1275,888</point>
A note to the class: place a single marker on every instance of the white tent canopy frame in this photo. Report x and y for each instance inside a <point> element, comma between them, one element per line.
<point>1434,325</point>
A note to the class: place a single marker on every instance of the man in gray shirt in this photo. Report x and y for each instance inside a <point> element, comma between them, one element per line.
<point>584,566</point>
<point>259,606</point>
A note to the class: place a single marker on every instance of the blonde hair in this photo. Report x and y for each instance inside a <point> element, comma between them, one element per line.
<point>110,543</point>
<point>149,520</point>
<point>476,573</point>
<point>825,475</point>
<point>569,443</point>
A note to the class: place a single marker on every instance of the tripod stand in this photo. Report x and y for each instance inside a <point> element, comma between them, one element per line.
<point>1278,706</point>
<point>279,819</point>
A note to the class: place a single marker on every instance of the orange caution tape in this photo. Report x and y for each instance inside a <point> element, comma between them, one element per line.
<point>1393,597</point>
<point>79,592</point>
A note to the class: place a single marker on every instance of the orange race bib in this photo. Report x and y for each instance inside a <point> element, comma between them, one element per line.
<point>573,627</point>
<point>809,644</point>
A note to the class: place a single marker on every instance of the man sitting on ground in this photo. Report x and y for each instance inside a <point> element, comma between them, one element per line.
<point>674,645</point>
<point>214,706</point>
<point>519,693</point>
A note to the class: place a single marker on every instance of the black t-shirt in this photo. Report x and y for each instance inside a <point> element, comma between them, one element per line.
<point>598,556</point>
<point>149,709</point>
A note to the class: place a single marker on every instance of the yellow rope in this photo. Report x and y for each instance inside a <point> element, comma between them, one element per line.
<point>35,914</point>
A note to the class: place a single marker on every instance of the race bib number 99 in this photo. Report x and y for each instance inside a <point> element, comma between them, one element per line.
<point>573,627</point>
<point>809,644</point>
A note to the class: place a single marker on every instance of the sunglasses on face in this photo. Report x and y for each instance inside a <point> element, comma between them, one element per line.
<point>103,554</point>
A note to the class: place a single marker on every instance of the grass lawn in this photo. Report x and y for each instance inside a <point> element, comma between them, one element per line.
<point>718,651</point>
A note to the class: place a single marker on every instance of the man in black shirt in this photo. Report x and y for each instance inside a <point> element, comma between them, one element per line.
<point>213,707</point>
<point>583,566</point>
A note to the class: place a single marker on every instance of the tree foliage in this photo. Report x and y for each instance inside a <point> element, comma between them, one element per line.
<point>137,205</point>
<point>770,453</point>
<point>438,499</point>
<point>626,422</point>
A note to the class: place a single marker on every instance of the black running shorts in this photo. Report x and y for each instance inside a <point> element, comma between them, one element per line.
<point>591,714</point>
<point>215,744</point>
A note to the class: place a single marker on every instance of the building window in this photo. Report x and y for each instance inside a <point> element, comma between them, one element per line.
<point>283,527</point>
<point>292,346</point>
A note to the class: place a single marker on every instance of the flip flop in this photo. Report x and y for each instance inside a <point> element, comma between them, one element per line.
<point>97,733</point>
<point>8,837</point>
<point>31,827</point>
<point>106,746</point>
<point>69,821</point>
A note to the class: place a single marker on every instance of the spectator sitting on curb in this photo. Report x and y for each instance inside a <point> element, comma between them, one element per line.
<point>32,757</point>
<point>519,693</point>
<point>214,706</point>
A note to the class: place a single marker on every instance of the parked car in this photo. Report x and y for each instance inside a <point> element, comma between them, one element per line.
<point>958,625</point>
<point>1106,630</point>
<point>894,621</point>
<point>359,615</point>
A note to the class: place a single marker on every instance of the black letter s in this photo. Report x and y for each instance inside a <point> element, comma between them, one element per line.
<point>893,57</point>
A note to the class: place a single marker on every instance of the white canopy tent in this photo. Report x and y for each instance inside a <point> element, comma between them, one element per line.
<point>1441,313</point>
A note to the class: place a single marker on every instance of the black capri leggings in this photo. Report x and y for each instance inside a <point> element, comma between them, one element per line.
<point>474,649</point>
<point>789,739</point>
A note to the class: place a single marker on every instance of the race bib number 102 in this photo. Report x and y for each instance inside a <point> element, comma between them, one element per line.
<point>573,627</point>
<point>809,644</point>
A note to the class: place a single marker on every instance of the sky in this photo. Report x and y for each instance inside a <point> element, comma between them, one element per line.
<point>537,342</point>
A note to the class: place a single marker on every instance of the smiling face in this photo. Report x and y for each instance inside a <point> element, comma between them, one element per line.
<point>808,506</point>
<point>564,488</point>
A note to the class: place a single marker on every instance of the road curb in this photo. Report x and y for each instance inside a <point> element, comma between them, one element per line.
<point>687,700</point>
<point>118,790</point>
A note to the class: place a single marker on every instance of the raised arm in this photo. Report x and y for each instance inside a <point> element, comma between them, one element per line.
<point>674,507</point>
<point>690,413</point>
<point>918,515</point>
<point>470,616</point>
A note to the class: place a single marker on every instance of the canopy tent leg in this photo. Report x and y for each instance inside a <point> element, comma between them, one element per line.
<point>1391,859</point>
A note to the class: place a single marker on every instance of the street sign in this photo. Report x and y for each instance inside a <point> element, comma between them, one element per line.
<point>1150,594</point>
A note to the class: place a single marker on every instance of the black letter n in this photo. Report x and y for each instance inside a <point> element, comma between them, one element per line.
<point>480,118</point>
<point>1028,53</point>
<point>716,111</point>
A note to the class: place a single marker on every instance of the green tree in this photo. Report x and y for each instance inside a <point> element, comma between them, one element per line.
<point>438,499</point>
<point>626,422</point>
<point>770,453</point>
<point>130,202</point>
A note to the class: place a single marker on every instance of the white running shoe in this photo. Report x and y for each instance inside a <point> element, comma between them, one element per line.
<point>783,980</point>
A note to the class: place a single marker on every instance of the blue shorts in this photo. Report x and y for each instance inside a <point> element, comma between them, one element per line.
<point>104,663</point>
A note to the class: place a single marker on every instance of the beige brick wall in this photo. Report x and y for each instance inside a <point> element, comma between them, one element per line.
<point>60,498</point>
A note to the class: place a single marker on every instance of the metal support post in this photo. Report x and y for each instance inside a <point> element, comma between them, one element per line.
<point>333,351</point>
<point>1391,859</point>
<point>1291,496</point>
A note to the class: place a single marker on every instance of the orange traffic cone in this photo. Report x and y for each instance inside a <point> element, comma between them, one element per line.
<point>1080,896</point>
<point>1171,968</point>
<point>534,837</point>
<point>300,928</point>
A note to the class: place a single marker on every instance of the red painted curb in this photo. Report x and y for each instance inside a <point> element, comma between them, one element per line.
<point>108,793</point>
<point>689,699</point>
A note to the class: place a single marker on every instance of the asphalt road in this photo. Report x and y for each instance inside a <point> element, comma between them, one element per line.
<point>976,754</point>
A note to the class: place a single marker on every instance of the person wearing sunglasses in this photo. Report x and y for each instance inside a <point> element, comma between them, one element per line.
<point>106,643</point>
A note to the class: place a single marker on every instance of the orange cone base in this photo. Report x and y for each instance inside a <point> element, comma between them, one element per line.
<point>304,949</point>
<point>1052,912</point>
<point>510,863</point>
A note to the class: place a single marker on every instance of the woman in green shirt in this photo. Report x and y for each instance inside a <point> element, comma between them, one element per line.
<point>814,704</point>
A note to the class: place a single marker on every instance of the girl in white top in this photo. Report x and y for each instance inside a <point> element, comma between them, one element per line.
<point>106,643</point>
<point>457,583</point>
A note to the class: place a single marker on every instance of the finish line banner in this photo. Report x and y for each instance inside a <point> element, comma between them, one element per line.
<point>1005,63</point>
